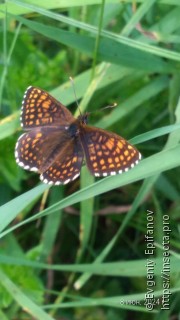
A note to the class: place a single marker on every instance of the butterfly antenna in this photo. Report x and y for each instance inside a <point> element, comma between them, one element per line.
<point>73,86</point>
<point>107,107</point>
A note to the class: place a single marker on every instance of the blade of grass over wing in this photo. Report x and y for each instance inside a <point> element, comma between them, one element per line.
<point>146,168</point>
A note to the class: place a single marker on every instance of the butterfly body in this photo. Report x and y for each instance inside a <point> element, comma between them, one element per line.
<point>56,144</point>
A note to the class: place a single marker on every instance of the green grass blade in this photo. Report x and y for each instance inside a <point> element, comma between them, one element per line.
<point>25,303</point>
<point>10,210</point>
<point>109,50</point>
<point>137,16</point>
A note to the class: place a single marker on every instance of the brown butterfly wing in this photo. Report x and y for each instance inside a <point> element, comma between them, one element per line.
<point>107,153</point>
<point>54,154</point>
<point>66,166</point>
<point>40,109</point>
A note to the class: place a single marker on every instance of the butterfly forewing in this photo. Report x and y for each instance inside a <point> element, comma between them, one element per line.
<point>40,109</point>
<point>107,153</point>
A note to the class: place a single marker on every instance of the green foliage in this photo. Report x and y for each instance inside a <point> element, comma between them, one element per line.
<point>78,251</point>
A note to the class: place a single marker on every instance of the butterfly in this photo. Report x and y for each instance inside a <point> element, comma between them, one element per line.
<point>56,144</point>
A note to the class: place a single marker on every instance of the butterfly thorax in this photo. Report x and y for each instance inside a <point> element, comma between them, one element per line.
<point>75,127</point>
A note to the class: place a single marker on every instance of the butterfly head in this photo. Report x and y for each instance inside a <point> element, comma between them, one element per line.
<point>83,118</point>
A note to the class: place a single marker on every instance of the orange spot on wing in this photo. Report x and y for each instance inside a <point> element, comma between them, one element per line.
<point>74,159</point>
<point>39,135</point>
<point>46,104</point>
<point>126,152</point>
<point>102,162</point>
<point>120,145</point>
<point>110,143</point>
<point>117,150</point>
<point>93,158</point>
<point>99,153</point>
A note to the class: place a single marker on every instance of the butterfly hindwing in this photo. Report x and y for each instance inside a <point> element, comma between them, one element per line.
<point>107,153</point>
<point>66,166</point>
<point>37,149</point>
